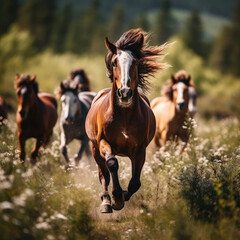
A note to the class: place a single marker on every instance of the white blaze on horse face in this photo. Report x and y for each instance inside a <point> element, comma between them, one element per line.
<point>23,90</point>
<point>69,106</point>
<point>125,59</point>
<point>180,92</point>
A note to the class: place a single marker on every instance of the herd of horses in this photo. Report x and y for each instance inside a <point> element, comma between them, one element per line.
<point>119,121</point>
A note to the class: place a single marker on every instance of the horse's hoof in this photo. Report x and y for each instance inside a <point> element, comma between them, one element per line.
<point>126,195</point>
<point>106,208</point>
<point>33,161</point>
<point>118,204</point>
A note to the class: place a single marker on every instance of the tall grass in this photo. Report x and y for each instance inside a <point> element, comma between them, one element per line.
<point>190,196</point>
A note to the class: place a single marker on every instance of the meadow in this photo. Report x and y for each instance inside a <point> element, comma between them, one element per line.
<point>191,196</point>
<point>195,195</point>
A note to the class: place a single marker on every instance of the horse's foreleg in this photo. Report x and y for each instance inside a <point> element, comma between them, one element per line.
<point>134,184</point>
<point>112,165</point>
<point>34,152</point>
<point>63,147</point>
<point>104,178</point>
<point>21,142</point>
<point>82,148</point>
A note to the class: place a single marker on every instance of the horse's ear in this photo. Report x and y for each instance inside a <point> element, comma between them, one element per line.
<point>17,76</point>
<point>110,46</point>
<point>62,86</point>
<point>33,78</point>
<point>173,80</point>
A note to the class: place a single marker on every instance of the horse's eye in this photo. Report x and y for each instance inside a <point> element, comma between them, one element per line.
<point>114,63</point>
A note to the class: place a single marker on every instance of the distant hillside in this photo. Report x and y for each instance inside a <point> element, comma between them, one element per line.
<point>134,7</point>
<point>212,24</point>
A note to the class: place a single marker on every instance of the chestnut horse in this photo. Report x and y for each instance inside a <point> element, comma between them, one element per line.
<point>172,110</point>
<point>120,120</point>
<point>3,110</point>
<point>36,114</point>
<point>80,77</point>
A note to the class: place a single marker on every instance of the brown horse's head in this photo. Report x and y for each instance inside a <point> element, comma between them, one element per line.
<point>180,83</point>
<point>80,77</point>
<point>26,89</point>
<point>129,62</point>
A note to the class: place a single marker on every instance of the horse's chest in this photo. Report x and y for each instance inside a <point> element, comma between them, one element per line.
<point>123,137</point>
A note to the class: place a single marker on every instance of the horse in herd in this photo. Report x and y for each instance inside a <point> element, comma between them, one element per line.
<point>171,111</point>
<point>75,106</point>
<point>36,114</point>
<point>119,121</point>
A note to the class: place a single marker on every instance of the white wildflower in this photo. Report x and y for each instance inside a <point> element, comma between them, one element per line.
<point>43,225</point>
<point>6,205</point>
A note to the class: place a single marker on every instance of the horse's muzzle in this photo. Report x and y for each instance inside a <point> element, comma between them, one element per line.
<point>180,105</point>
<point>23,113</point>
<point>125,95</point>
<point>69,120</point>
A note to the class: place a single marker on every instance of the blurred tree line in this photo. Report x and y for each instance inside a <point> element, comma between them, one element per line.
<point>82,30</point>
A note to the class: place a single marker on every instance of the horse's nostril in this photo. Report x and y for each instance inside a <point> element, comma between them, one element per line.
<point>119,92</point>
<point>130,93</point>
<point>181,105</point>
<point>22,113</point>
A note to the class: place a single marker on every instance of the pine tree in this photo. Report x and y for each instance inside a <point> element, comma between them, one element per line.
<point>61,28</point>
<point>235,54</point>
<point>8,14</point>
<point>192,34</point>
<point>37,16</point>
<point>143,23</point>
<point>225,55</point>
<point>116,23</point>
<point>164,25</point>
<point>85,29</point>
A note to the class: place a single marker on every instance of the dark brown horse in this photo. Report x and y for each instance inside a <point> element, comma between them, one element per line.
<point>81,79</point>
<point>120,120</point>
<point>172,109</point>
<point>36,114</point>
<point>3,110</point>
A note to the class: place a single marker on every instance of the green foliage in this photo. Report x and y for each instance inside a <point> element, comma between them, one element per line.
<point>8,14</point>
<point>164,25</point>
<point>60,29</point>
<point>192,34</point>
<point>225,54</point>
<point>37,17</point>
<point>116,23</point>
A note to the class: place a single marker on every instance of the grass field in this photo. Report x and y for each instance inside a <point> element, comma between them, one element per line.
<point>190,196</point>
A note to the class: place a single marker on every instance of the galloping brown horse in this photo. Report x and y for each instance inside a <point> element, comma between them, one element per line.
<point>36,114</point>
<point>172,109</point>
<point>120,120</point>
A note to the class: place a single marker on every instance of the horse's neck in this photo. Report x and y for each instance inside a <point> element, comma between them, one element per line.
<point>125,112</point>
<point>36,103</point>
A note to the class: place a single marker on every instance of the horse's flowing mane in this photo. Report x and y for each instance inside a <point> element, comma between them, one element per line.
<point>136,41</point>
<point>24,80</point>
